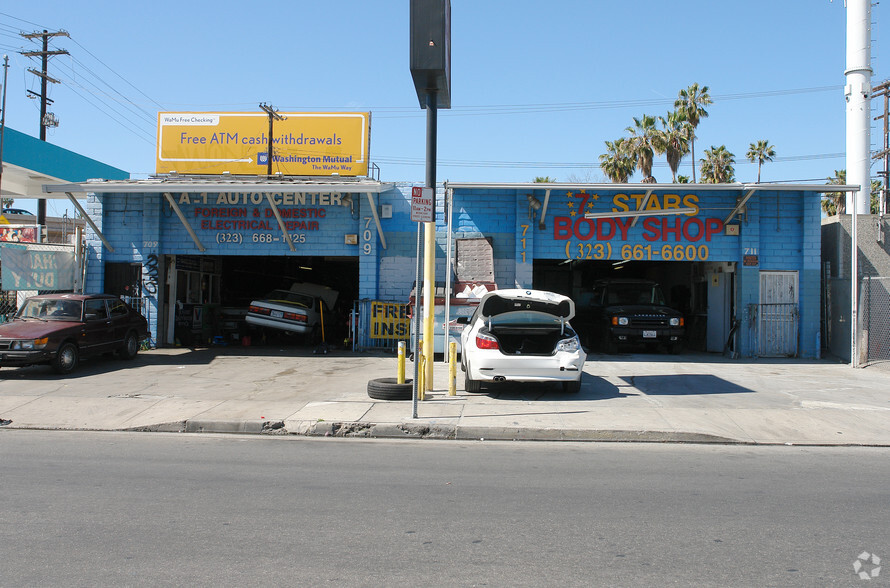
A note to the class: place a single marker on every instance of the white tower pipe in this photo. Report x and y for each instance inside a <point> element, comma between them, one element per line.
<point>857,93</point>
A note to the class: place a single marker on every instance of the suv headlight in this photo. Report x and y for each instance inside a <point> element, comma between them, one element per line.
<point>676,322</point>
<point>570,345</point>
<point>622,321</point>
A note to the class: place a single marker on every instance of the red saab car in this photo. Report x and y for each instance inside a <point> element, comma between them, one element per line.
<point>60,329</point>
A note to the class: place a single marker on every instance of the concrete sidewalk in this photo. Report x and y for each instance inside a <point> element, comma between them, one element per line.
<point>626,397</point>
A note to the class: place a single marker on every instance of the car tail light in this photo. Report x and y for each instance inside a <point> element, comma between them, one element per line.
<point>292,316</point>
<point>258,310</point>
<point>486,342</point>
<point>570,345</point>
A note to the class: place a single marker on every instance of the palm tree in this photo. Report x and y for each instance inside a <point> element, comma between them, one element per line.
<point>544,180</point>
<point>673,139</point>
<point>691,102</point>
<point>877,191</point>
<point>617,163</point>
<point>761,152</point>
<point>642,144</point>
<point>717,166</point>
<point>835,202</point>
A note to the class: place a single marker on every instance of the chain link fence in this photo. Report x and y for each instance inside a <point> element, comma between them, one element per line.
<point>379,325</point>
<point>8,305</point>
<point>874,324</point>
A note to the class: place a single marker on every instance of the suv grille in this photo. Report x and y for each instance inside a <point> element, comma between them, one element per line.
<point>649,320</point>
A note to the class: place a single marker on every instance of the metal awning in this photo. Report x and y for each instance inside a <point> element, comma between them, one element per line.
<point>176,184</point>
<point>199,184</point>
<point>647,187</point>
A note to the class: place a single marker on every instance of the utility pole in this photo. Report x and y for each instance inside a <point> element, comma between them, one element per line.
<point>45,120</point>
<point>273,116</point>
<point>884,90</point>
<point>3,116</point>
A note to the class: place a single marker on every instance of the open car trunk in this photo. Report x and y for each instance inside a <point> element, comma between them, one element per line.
<point>528,339</point>
<point>527,322</point>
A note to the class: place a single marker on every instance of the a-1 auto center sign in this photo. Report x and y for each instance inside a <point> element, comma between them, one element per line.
<point>687,235</point>
<point>303,144</point>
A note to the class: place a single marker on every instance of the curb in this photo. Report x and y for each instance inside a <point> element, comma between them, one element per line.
<point>431,431</point>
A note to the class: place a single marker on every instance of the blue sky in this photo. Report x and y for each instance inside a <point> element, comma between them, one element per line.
<point>537,87</point>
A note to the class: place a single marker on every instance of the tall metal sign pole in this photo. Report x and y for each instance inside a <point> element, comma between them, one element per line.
<point>430,60</point>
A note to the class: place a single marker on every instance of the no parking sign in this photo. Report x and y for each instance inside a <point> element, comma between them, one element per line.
<point>423,205</point>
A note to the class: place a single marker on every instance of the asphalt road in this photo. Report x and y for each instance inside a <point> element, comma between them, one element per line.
<point>156,509</point>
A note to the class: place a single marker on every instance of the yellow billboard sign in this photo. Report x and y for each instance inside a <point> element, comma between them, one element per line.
<point>303,144</point>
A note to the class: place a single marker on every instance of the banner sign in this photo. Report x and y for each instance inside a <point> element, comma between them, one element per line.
<point>32,269</point>
<point>389,320</point>
<point>303,143</point>
<point>18,234</point>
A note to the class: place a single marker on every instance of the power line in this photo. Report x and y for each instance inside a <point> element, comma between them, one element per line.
<point>395,160</point>
<point>118,75</point>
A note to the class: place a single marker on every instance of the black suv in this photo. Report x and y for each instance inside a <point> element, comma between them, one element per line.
<point>629,311</point>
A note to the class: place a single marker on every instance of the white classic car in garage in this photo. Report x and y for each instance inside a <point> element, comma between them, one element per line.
<point>300,310</point>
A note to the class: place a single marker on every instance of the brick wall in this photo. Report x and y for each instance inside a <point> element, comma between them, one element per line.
<point>782,229</point>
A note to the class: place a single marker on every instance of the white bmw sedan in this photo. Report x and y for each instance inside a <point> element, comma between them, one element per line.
<point>522,336</point>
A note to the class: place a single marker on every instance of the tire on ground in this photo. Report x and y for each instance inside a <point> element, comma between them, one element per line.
<point>390,389</point>
<point>472,386</point>
<point>130,347</point>
<point>66,359</point>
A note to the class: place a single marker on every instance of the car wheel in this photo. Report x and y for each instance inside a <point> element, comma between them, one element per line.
<point>472,386</point>
<point>66,358</point>
<point>390,389</point>
<point>572,387</point>
<point>130,348</point>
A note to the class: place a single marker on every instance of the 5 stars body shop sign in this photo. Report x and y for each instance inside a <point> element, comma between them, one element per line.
<point>303,143</point>
<point>685,236</point>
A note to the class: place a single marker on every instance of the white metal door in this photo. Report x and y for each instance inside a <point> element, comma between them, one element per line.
<point>778,314</point>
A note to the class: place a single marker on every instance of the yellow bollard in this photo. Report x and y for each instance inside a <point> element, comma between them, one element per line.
<point>418,359</point>
<point>400,374</point>
<point>421,376</point>
<point>452,368</point>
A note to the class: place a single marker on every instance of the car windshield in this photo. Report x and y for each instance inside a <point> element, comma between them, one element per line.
<point>634,294</point>
<point>51,310</point>
<point>290,298</point>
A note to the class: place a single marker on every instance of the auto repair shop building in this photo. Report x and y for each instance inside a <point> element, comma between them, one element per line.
<point>741,261</point>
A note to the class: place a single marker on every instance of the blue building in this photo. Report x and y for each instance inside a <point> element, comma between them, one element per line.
<point>741,261</point>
